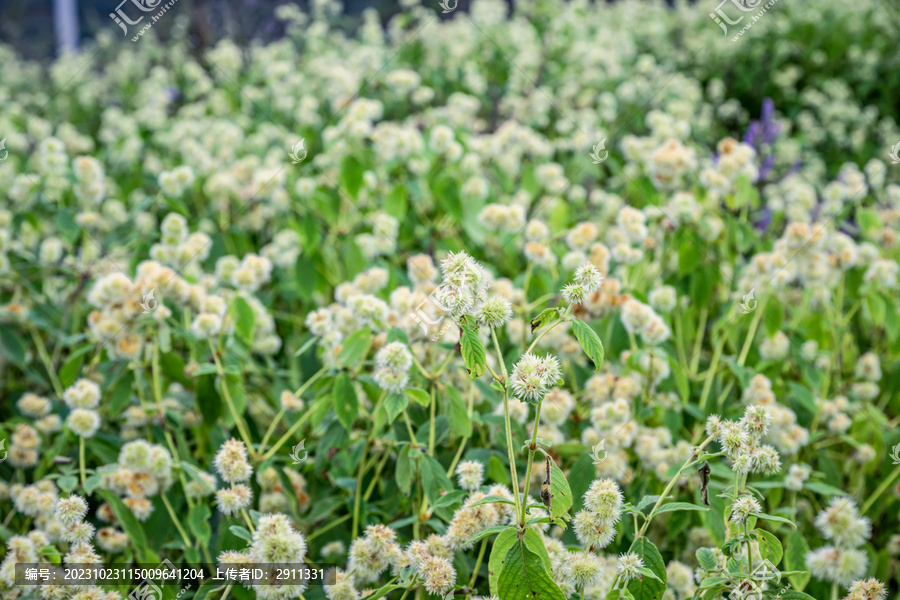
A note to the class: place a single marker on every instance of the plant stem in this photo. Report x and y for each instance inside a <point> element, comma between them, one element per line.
<point>431,418</point>
<point>81,460</point>
<point>531,450</point>
<point>357,494</point>
<point>711,373</point>
<point>409,429</point>
<point>48,363</point>
<point>238,421</point>
<point>174,517</point>
<point>271,429</point>
<point>247,519</point>
<point>293,429</point>
<point>478,563</point>
<point>374,481</point>
<point>698,343</point>
<point>509,453</point>
<point>322,530</point>
<point>671,484</point>
<point>885,484</point>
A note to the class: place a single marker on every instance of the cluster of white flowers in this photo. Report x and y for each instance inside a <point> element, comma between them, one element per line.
<point>843,561</point>
<point>142,471</point>
<point>741,441</point>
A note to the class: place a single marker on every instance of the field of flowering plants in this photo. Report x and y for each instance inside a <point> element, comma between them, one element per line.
<point>560,301</point>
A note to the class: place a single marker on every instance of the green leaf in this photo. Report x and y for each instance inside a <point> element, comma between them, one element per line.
<point>68,373</point>
<point>646,501</point>
<point>12,348</point>
<point>121,394</point>
<point>129,523</point>
<point>646,588</point>
<point>673,506</point>
<point>590,342</point>
<point>434,478</point>
<point>404,470</point>
<point>355,348</point>
<point>419,396</point>
<point>774,518</point>
<point>795,595</point>
<point>502,545</point>
<point>198,521</point>
<point>773,315</point>
<point>545,318</point>
<point>490,531</point>
<point>769,546</point>
<point>458,414</point>
<point>244,320</point>
<point>471,347</point>
<point>384,591</point>
<point>582,473</point>
<point>241,532</point>
<point>450,498</point>
<point>795,551</point>
<point>493,500</point>
<point>346,404</point>
<point>707,559</point>
<point>561,499</point>
<point>523,576</point>
<point>394,405</point>
<point>208,399</point>
<point>648,573</point>
<point>825,489</point>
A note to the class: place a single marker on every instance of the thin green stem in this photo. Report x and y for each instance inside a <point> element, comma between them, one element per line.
<point>47,361</point>
<point>509,452</point>
<point>711,373</point>
<point>698,343</point>
<point>378,470</point>
<point>176,520</point>
<point>885,484</point>
<point>291,431</point>
<point>531,450</point>
<point>81,460</point>
<point>238,421</point>
<point>409,429</point>
<point>248,520</point>
<point>271,429</point>
<point>357,495</point>
<point>431,420</point>
<point>671,484</point>
<point>321,530</point>
<point>478,563</point>
<point>751,333</point>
